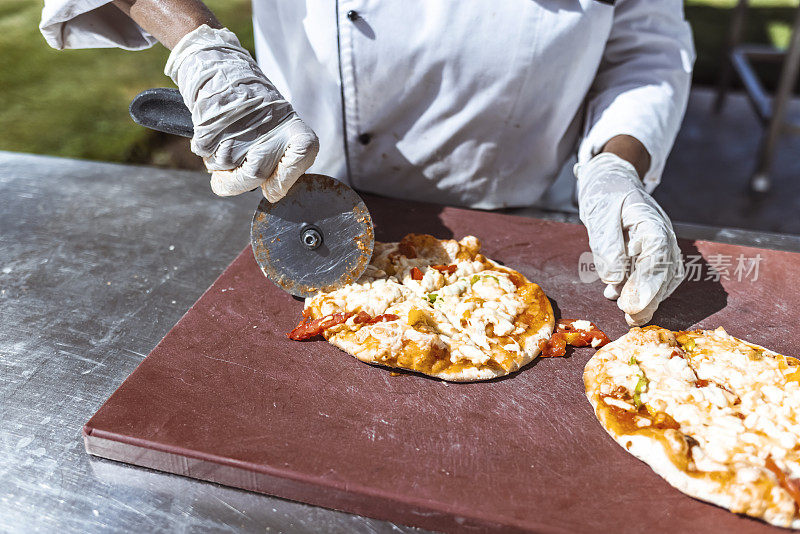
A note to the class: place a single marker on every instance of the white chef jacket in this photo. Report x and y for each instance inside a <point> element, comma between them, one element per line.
<point>459,102</point>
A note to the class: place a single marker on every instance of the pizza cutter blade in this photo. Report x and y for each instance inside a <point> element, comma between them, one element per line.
<point>318,237</point>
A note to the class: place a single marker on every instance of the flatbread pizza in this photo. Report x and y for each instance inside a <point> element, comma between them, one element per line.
<point>438,307</point>
<point>715,416</point>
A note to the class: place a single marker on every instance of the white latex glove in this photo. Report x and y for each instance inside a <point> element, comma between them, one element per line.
<point>627,228</point>
<point>246,132</point>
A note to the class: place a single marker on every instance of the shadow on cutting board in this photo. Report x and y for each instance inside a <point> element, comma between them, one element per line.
<point>696,298</point>
<point>392,224</point>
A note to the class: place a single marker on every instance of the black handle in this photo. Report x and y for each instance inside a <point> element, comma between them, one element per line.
<point>162,109</point>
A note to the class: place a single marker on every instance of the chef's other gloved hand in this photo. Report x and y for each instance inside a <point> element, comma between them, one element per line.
<point>634,246</point>
<point>246,132</point>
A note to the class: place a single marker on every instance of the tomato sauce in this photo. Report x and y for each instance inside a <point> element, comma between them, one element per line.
<point>365,318</point>
<point>308,329</point>
<point>567,334</point>
<point>447,269</point>
<point>791,485</point>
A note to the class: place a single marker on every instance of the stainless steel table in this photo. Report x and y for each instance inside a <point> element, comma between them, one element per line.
<point>97,262</point>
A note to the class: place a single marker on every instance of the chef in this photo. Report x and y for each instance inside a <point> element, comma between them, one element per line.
<point>467,103</point>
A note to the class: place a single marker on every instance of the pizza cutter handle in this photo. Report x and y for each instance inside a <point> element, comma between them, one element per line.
<point>162,109</point>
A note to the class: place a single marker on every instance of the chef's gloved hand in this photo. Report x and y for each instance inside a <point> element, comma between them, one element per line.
<point>246,132</point>
<point>627,228</point>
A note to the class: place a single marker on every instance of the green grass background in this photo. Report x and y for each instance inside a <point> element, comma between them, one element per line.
<point>74,103</point>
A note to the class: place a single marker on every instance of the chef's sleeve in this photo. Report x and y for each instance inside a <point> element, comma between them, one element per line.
<point>642,85</point>
<point>90,24</point>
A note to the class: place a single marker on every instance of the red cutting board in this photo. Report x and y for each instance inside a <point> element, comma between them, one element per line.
<point>227,397</point>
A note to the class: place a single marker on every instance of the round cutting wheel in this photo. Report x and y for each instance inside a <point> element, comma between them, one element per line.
<point>318,237</point>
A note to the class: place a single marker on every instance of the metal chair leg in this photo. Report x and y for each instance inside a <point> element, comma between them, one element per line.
<point>760,181</point>
<point>734,38</point>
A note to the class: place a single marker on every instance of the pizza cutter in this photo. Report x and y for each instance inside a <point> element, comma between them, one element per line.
<point>318,237</point>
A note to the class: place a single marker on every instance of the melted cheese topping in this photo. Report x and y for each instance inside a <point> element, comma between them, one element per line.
<point>735,405</point>
<point>469,311</point>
